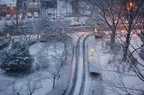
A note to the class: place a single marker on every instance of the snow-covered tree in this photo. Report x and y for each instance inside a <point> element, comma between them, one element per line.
<point>17,58</point>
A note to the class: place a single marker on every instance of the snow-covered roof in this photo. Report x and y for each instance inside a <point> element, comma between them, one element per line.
<point>75,23</point>
<point>9,3</point>
<point>33,3</point>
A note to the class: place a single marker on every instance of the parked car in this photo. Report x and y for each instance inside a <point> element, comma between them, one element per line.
<point>8,17</point>
<point>53,18</point>
<point>36,15</point>
<point>29,15</point>
<point>9,23</point>
<point>75,24</point>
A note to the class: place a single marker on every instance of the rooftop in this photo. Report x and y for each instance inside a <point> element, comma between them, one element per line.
<point>9,3</point>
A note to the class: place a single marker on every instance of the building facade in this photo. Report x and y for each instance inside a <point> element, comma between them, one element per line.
<point>8,7</point>
<point>33,5</point>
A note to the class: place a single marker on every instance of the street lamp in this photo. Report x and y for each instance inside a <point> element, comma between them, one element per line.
<point>130,6</point>
<point>95,30</point>
<point>63,31</point>
<point>7,35</point>
<point>42,35</point>
<point>92,52</point>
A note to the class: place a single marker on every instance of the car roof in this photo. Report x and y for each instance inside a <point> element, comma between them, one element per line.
<point>75,23</point>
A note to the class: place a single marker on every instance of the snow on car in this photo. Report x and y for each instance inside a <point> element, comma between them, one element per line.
<point>75,24</point>
<point>35,14</point>
<point>29,15</point>
<point>8,17</point>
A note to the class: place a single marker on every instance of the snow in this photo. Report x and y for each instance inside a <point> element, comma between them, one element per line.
<point>2,24</point>
<point>112,74</point>
<point>80,70</point>
<point>115,76</point>
<point>9,3</point>
<point>39,80</point>
<point>33,3</point>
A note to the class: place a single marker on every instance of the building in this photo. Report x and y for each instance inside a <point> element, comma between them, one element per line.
<point>33,5</point>
<point>37,5</point>
<point>8,7</point>
<point>22,6</point>
<point>3,10</point>
<point>48,3</point>
<point>57,8</point>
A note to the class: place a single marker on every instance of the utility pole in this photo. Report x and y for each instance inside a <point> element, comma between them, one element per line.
<point>17,13</point>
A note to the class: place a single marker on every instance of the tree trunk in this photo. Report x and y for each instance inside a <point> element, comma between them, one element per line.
<point>112,41</point>
<point>75,7</point>
<point>127,44</point>
<point>54,82</point>
<point>127,39</point>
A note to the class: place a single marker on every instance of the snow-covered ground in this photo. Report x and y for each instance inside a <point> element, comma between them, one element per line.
<point>40,80</point>
<point>2,24</point>
<point>117,78</point>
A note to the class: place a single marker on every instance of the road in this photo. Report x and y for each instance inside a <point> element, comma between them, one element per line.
<point>79,83</point>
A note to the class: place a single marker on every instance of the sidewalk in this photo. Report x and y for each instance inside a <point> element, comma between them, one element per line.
<point>94,62</point>
<point>96,86</point>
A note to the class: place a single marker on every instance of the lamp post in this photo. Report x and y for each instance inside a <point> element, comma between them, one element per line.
<point>7,35</point>
<point>95,30</point>
<point>92,52</point>
<point>130,5</point>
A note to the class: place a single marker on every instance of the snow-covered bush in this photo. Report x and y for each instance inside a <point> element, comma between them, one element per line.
<point>16,58</point>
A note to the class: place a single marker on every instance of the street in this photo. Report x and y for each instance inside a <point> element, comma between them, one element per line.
<point>80,75</point>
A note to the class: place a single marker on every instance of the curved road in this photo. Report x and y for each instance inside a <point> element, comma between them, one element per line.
<point>79,83</point>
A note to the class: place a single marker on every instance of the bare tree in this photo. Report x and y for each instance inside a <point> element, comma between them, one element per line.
<point>131,15</point>
<point>75,7</point>
<point>59,57</point>
<point>28,85</point>
<point>108,12</point>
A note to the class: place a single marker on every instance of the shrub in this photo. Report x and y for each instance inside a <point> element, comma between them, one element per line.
<point>17,58</point>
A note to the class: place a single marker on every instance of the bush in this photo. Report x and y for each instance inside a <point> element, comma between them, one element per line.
<point>17,58</point>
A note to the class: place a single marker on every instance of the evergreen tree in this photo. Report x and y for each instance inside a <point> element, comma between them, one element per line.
<point>17,58</point>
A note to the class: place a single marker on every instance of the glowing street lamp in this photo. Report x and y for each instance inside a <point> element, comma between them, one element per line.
<point>42,35</point>
<point>11,8</point>
<point>7,35</point>
<point>95,30</point>
<point>63,31</point>
<point>92,52</point>
<point>20,16</point>
<point>130,5</point>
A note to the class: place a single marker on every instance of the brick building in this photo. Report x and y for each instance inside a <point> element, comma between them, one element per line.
<point>8,7</point>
